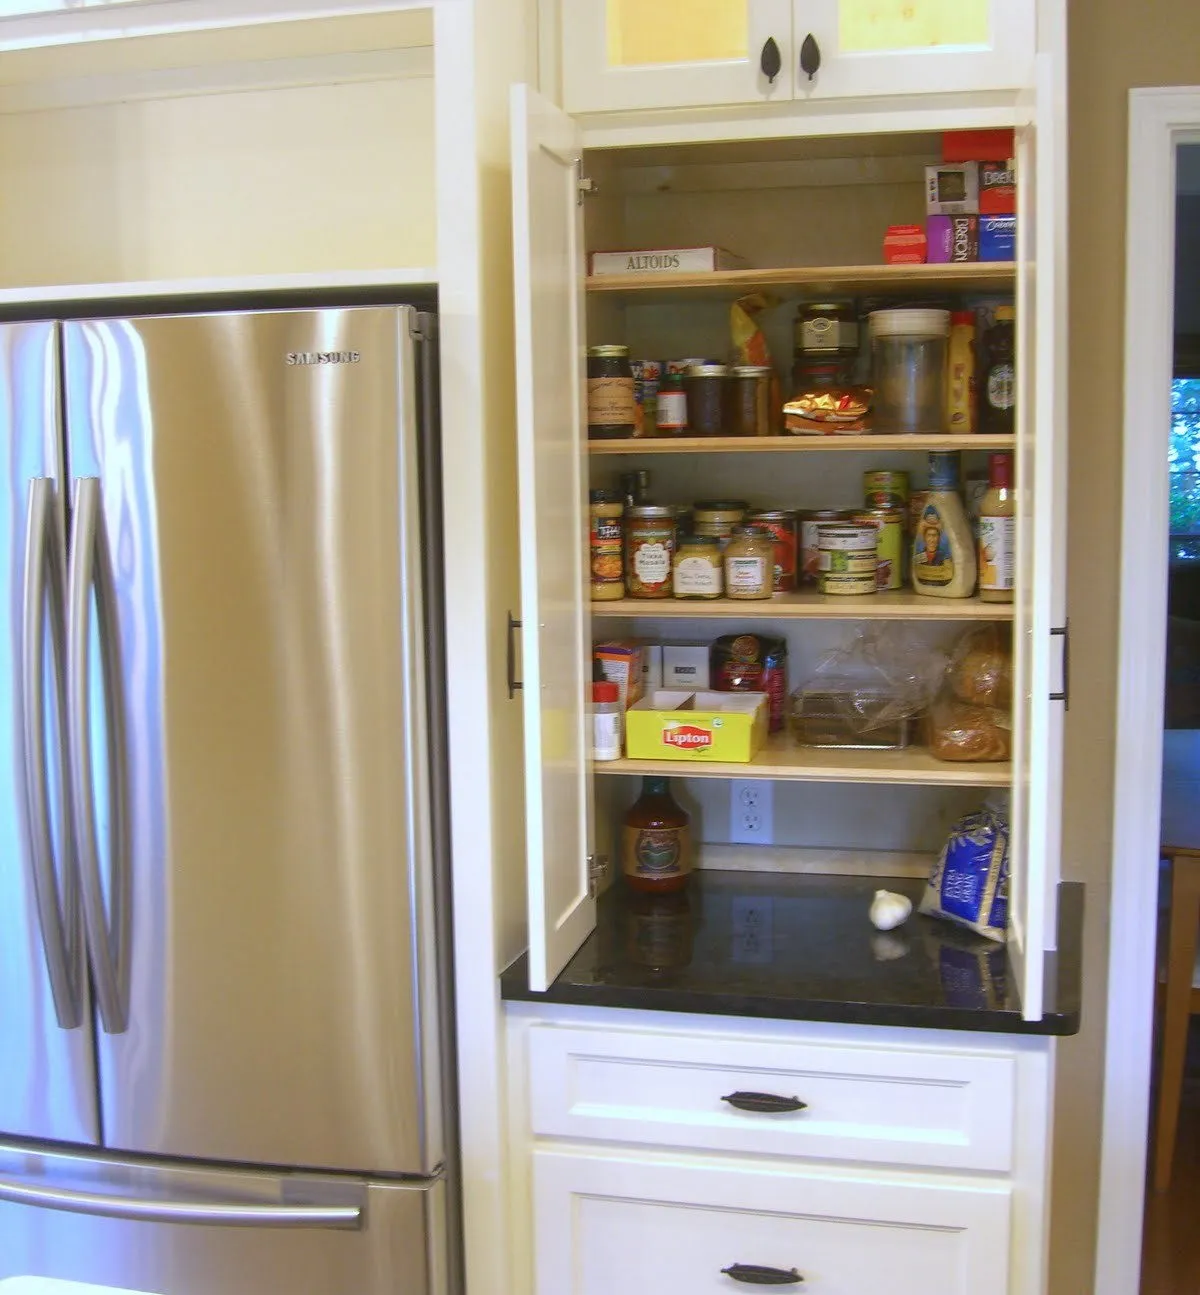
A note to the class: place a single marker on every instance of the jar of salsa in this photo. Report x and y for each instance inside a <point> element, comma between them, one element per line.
<point>611,408</point>
<point>649,551</point>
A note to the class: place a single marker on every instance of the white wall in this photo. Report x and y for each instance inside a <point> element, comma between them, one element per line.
<point>232,172</point>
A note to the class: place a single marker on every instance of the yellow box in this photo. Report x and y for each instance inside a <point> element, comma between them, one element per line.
<point>699,727</point>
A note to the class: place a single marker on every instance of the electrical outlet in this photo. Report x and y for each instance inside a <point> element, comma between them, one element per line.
<point>751,811</point>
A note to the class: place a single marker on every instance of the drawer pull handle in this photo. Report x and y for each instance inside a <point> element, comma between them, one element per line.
<point>757,1275</point>
<point>768,1103</point>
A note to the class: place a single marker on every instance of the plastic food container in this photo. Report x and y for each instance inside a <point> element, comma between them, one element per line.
<point>847,719</point>
<point>908,369</point>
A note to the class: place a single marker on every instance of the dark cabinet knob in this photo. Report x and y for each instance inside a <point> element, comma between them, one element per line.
<point>810,56</point>
<point>764,1102</point>
<point>771,61</point>
<point>757,1275</point>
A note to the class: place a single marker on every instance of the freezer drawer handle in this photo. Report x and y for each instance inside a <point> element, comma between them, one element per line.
<point>107,934</point>
<point>767,1103</point>
<point>227,1216</point>
<point>758,1275</point>
<point>58,911</point>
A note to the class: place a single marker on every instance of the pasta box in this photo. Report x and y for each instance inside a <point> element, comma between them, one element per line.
<point>673,724</point>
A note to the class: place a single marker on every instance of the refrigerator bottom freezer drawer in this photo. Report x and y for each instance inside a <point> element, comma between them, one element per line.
<point>180,1230</point>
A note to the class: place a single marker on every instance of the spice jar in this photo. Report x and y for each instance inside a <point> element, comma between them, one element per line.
<point>750,400</point>
<point>699,571</point>
<point>649,551</point>
<point>707,389</point>
<point>718,517</point>
<point>672,406</point>
<point>611,408</point>
<point>607,545</point>
<point>750,563</point>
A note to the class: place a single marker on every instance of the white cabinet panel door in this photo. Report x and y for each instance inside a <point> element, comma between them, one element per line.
<point>888,47</point>
<point>609,1223</point>
<point>625,54</point>
<point>1039,653</point>
<point>548,273</point>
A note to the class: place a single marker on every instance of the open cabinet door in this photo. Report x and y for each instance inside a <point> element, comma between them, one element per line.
<point>1040,643</point>
<point>548,290</point>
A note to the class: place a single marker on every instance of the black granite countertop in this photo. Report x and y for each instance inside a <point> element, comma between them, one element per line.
<point>801,948</point>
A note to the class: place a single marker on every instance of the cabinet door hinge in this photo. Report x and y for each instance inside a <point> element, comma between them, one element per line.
<point>597,871</point>
<point>585,186</point>
<point>1064,632</point>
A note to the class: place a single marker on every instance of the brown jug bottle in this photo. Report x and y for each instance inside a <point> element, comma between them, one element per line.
<point>656,847</point>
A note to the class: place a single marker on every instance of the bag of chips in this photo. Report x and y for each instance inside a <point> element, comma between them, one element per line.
<point>969,882</point>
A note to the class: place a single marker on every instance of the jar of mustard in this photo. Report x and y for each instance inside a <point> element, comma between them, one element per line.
<point>750,563</point>
<point>699,570</point>
<point>649,551</point>
<point>607,545</point>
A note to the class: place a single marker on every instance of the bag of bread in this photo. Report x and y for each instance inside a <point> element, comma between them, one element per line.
<point>969,882</point>
<point>972,717</point>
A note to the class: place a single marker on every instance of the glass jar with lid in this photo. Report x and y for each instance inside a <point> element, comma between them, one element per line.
<point>611,408</point>
<point>718,517</point>
<point>750,563</point>
<point>750,403</point>
<point>908,369</point>
<point>699,570</point>
<point>649,551</point>
<point>827,328</point>
<point>707,389</point>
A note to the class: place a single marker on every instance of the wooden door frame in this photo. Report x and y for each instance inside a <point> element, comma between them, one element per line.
<point>1159,120</point>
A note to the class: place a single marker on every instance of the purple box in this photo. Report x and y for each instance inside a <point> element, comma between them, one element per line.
<point>997,238</point>
<point>951,238</point>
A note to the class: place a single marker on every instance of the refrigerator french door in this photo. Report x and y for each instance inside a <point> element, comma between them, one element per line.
<point>218,940</point>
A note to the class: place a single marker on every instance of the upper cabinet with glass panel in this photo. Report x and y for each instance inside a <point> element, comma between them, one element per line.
<point>648,54</point>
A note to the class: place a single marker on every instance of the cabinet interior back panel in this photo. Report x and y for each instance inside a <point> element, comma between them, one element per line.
<point>279,181</point>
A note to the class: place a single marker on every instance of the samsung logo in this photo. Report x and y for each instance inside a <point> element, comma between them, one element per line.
<point>323,357</point>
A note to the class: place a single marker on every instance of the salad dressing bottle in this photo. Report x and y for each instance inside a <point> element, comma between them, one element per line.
<point>943,547</point>
<point>997,533</point>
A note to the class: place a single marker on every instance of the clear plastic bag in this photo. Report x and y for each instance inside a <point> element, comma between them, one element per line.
<point>874,685</point>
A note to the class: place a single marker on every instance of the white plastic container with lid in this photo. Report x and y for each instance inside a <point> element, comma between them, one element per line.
<point>908,369</point>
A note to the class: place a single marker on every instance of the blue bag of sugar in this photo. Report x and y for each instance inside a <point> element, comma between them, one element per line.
<point>969,882</point>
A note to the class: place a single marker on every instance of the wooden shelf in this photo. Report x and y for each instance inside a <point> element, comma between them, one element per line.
<point>782,759</point>
<point>797,444</point>
<point>898,605</point>
<point>908,280</point>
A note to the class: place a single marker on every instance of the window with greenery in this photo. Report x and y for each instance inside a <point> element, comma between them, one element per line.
<point>1184,461</point>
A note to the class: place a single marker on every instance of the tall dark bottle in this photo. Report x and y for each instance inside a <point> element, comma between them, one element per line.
<point>656,846</point>
<point>998,379</point>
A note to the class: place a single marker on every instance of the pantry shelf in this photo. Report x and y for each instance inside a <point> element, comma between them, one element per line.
<point>782,759</point>
<point>797,444</point>
<point>912,280</point>
<point>901,605</point>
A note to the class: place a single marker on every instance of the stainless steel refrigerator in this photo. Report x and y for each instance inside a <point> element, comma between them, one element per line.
<point>223,990</point>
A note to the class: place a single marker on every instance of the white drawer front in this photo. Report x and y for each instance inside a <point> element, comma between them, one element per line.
<point>945,1110</point>
<point>610,1224</point>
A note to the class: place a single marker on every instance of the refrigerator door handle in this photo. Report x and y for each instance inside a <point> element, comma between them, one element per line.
<point>107,933</point>
<point>58,910</point>
<point>206,1212</point>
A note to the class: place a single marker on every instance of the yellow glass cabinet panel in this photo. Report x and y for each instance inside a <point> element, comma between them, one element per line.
<point>865,25</point>
<point>676,31</point>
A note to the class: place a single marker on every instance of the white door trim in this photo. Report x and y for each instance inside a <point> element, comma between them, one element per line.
<point>1159,119</point>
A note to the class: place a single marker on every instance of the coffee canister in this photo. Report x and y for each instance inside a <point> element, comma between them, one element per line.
<point>849,558</point>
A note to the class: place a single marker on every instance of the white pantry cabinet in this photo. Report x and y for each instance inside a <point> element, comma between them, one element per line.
<point>804,233</point>
<point>621,55</point>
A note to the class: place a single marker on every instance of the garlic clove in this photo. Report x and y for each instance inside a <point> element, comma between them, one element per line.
<point>889,910</point>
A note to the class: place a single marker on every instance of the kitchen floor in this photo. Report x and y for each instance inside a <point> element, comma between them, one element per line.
<point>1171,1249</point>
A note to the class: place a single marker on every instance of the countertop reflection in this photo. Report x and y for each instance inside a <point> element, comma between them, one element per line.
<point>801,947</point>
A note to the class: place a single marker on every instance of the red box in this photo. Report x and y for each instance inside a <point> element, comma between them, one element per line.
<point>904,245</point>
<point>997,188</point>
<point>977,145</point>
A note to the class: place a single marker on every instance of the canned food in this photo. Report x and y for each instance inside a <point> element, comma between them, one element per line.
<point>810,558</point>
<point>885,490</point>
<point>889,523</point>
<point>782,525</point>
<point>849,558</point>
<point>649,551</point>
<point>717,518</point>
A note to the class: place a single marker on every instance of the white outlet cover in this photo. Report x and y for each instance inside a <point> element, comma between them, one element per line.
<point>751,811</point>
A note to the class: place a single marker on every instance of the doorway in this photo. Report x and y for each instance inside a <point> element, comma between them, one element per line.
<point>1161,123</point>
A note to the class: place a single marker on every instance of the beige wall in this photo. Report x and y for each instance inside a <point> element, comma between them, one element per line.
<point>1113,47</point>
